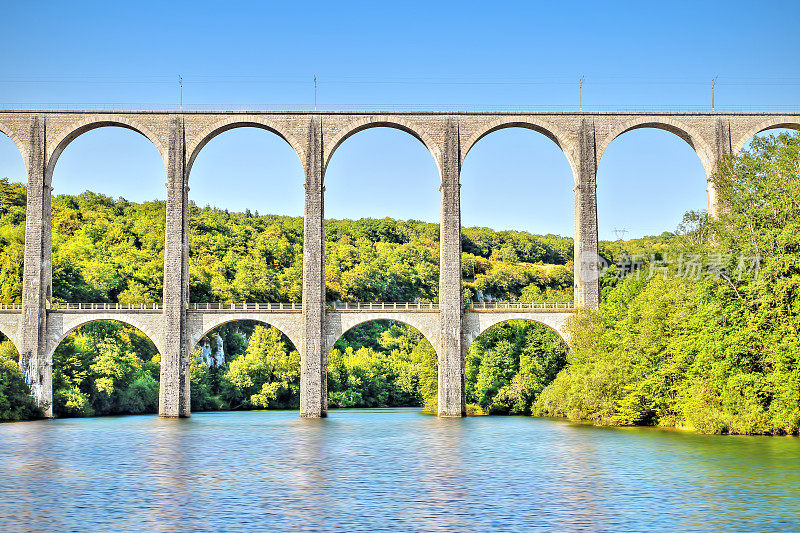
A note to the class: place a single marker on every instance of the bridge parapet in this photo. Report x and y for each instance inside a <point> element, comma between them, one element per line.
<point>105,307</point>
<point>531,307</point>
<point>383,306</point>
<point>247,306</point>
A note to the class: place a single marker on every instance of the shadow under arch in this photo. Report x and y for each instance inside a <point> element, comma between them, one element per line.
<point>94,123</point>
<point>368,123</point>
<point>222,126</point>
<point>772,123</point>
<point>682,131</point>
<point>550,131</point>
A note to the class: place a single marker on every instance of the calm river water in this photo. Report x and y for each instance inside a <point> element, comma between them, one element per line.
<point>388,469</point>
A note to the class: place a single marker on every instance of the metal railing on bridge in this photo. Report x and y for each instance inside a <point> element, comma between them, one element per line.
<point>60,306</point>
<point>247,306</point>
<point>221,306</point>
<point>382,306</point>
<point>295,306</point>
<point>478,306</point>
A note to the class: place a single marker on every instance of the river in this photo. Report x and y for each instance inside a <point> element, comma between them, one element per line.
<point>388,469</point>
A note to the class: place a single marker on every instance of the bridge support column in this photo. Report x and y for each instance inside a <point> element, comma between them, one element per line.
<point>722,148</point>
<point>587,285</point>
<point>452,392</point>
<point>313,352</point>
<point>174,399</point>
<point>37,282</point>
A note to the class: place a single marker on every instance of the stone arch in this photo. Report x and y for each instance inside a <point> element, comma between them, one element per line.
<point>9,132</point>
<point>551,131</point>
<point>381,122</point>
<point>68,326</point>
<point>476,323</point>
<point>10,332</point>
<point>233,122</point>
<point>95,122</point>
<point>289,325</point>
<point>426,323</point>
<point>691,136</point>
<point>772,123</point>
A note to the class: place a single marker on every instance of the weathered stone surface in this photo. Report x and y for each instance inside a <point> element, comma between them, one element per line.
<point>452,395</point>
<point>174,390</point>
<point>42,136</point>
<point>313,356</point>
<point>38,273</point>
<point>586,257</point>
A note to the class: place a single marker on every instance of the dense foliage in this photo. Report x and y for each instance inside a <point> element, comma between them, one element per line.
<point>377,364</point>
<point>717,352</point>
<point>508,366</point>
<point>105,368</point>
<point>16,402</point>
<point>107,250</point>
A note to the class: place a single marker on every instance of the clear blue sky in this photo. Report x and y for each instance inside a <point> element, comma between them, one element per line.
<point>423,55</point>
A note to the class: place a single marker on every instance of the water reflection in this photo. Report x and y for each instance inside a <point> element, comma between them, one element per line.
<point>28,463</point>
<point>443,476</point>
<point>169,458</point>
<point>308,475</point>
<point>577,480</point>
<point>365,470</point>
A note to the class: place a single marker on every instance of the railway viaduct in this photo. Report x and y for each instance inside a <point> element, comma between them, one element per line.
<point>37,325</point>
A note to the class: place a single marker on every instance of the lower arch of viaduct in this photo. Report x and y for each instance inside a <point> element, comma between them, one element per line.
<point>41,136</point>
<point>200,323</point>
<point>10,326</point>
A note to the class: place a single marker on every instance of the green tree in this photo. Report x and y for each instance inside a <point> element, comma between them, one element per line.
<point>267,375</point>
<point>16,402</point>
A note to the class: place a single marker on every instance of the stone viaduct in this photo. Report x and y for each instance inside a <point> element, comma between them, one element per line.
<point>37,325</point>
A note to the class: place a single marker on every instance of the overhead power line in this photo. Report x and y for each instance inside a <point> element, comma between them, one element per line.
<point>414,80</point>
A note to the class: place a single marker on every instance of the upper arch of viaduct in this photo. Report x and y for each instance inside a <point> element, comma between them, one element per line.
<point>710,135</point>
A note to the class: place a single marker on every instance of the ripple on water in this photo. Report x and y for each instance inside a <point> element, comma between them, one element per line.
<point>387,469</point>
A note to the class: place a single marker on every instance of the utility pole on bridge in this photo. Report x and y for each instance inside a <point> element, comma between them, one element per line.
<point>713,83</point>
